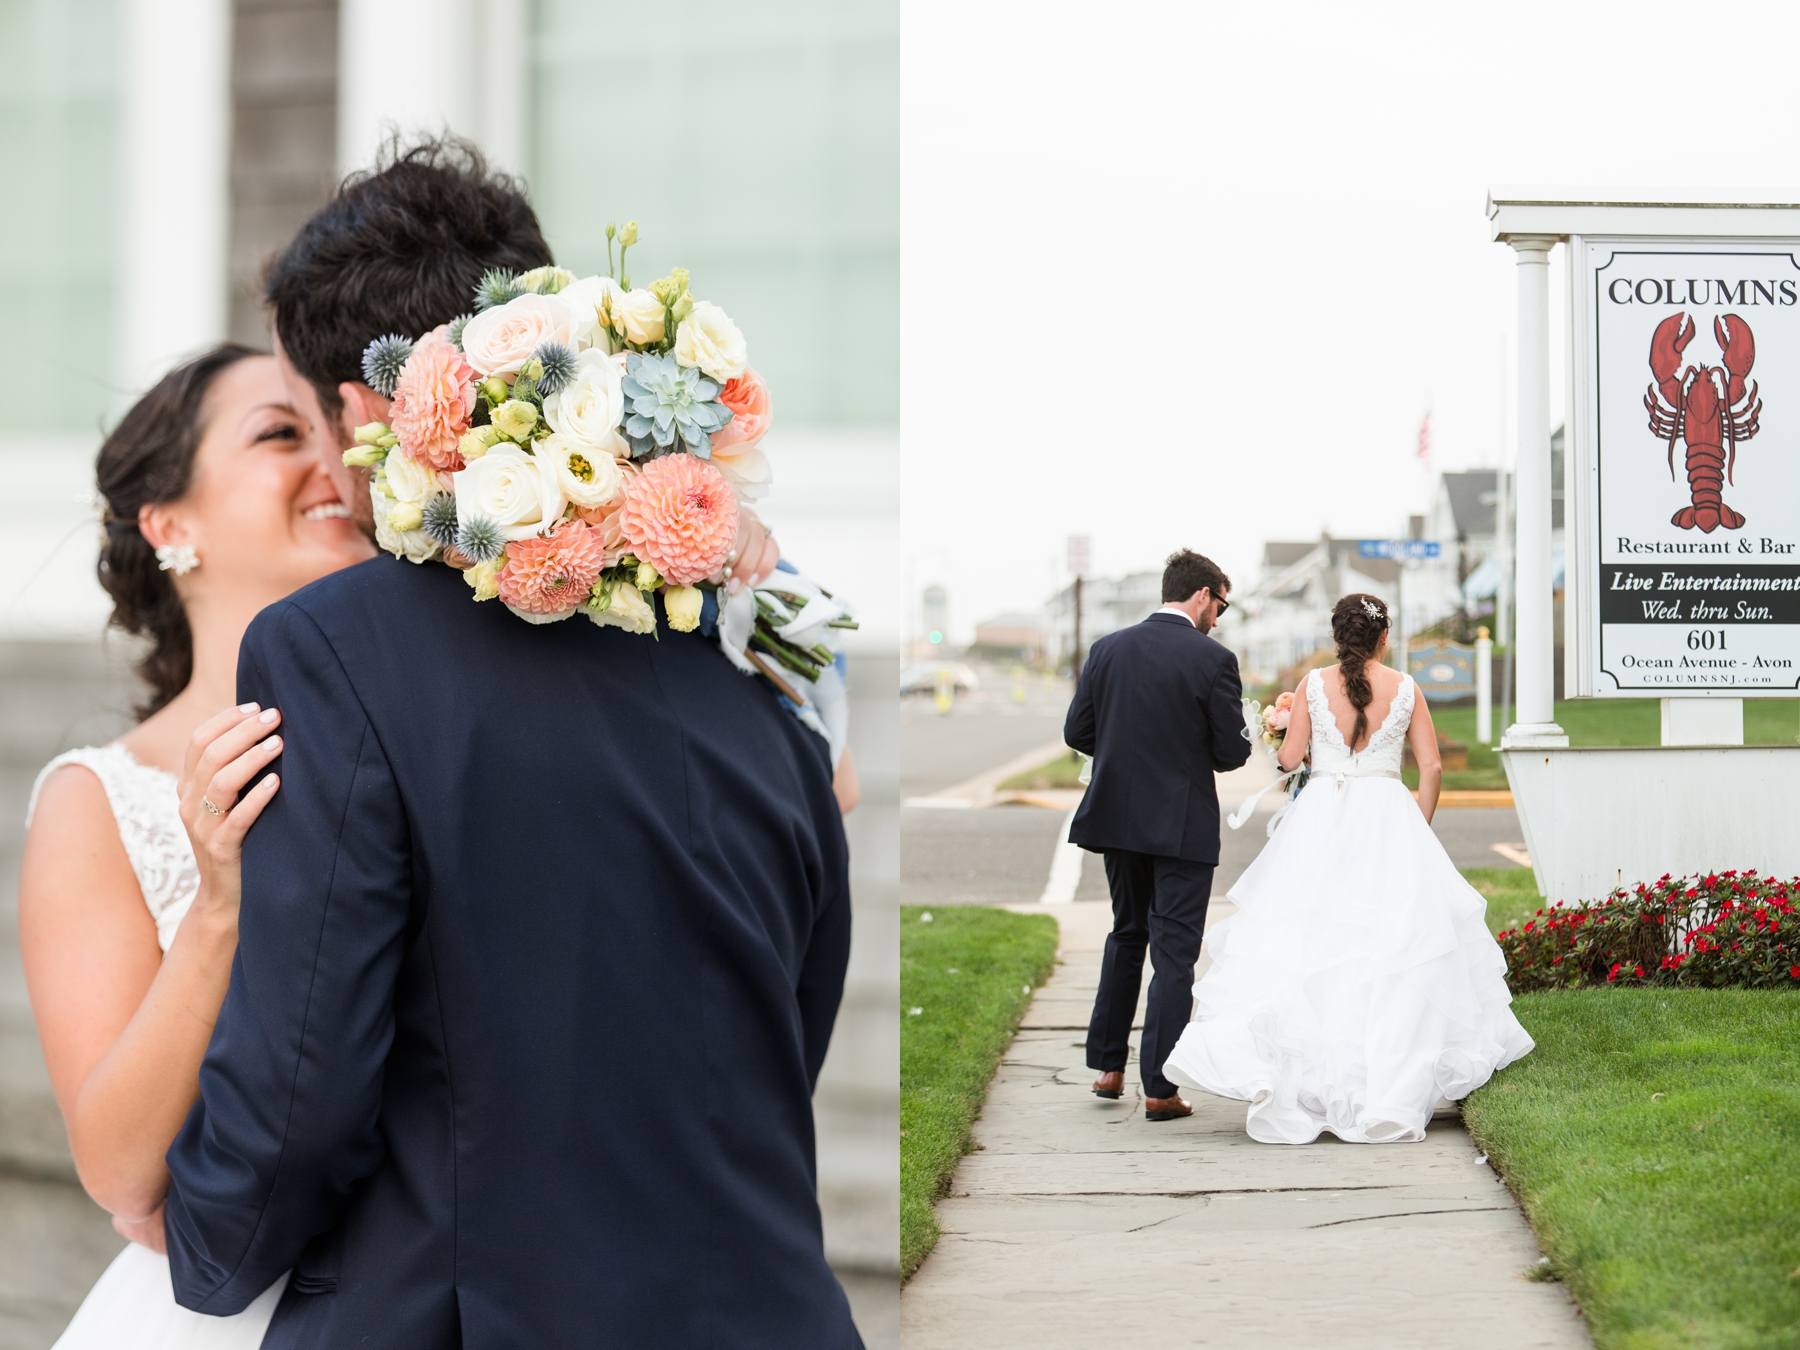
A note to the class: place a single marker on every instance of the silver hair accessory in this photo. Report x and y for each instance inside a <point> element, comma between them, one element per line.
<point>177,558</point>
<point>1374,611</point>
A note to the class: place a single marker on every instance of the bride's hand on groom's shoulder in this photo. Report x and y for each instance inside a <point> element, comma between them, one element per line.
<point>226,752</point>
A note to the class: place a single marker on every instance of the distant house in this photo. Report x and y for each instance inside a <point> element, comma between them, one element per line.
<point>1284,615</point>
<point>1466,507</point>
<point>1010,634</point>
<point>1107,605</point>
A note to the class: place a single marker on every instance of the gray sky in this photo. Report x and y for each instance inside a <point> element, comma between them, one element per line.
<point>1183,274</point>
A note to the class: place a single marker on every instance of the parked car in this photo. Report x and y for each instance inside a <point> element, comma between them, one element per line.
<point>924,679</point>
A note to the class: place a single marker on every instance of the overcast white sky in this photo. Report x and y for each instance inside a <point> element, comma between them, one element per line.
<point>1190,274</point>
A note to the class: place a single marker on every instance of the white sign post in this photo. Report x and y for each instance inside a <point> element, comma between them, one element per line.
<point>1683,513</point>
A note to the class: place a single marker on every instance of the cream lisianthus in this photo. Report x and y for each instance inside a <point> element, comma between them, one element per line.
<point>591,299</point>
<point>412,482</point>
<point>639,315</point>
<point>625,608</point>
<point>587,478</point>
<point>682,604</point>
<point>512,490</point>
<point>414,544</point>
<point>709,339</point>
<point>590,407</point>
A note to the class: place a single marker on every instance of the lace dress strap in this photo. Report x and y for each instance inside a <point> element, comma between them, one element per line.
<point>147,814</point>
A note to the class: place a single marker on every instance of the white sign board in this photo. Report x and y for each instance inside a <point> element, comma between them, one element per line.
<point>1685,481</point>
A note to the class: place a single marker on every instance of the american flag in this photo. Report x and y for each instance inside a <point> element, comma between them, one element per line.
<point>1425,438</point>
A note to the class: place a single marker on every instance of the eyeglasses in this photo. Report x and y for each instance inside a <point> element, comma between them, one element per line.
<point>1222,603</point>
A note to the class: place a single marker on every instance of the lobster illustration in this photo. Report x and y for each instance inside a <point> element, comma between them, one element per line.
<point>1707,407</point>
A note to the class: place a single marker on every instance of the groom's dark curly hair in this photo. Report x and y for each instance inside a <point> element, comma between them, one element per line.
<point>397,249</point>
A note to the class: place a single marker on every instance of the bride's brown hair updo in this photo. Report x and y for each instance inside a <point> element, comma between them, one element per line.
<point>1357,623</point>
<point>149,458</point>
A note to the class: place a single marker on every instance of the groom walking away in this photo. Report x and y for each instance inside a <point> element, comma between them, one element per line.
<point>1159,708</point>
<point>542,936</point>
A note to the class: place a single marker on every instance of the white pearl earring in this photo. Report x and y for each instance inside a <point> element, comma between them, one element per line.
<point>177,558</point>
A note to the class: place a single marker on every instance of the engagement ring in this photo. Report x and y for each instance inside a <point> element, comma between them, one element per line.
<point>211,809</point>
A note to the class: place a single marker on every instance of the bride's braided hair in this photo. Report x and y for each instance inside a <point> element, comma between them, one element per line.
<point>149,458</point>
<point>1357,623</point>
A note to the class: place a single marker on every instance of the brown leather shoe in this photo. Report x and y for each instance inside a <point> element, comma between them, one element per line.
<point>1166,1108</point>
<point>1110,1085</point>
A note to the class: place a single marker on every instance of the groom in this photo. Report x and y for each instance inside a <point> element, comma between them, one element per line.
<point>1159,707</point>
<point>541,943</point>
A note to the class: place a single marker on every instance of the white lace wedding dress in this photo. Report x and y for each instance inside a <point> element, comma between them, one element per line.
<point>1357,986</point>
<point>132,1306</point>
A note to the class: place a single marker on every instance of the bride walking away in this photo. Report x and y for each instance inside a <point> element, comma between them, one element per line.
<point>1357,989</point>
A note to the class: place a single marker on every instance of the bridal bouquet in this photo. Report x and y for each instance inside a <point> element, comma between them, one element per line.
<point>1271,724</point>
<point>574,445</point>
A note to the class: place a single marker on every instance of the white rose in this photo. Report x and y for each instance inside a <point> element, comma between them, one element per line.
<point>410,481</point>
<point>414,545</point>
<point>746,468</point>
<point>639,315</point>
<point>586,476</point>
<point>709,339</point>
<point>590,406</point>
<point>498,341</point>
<point>627,609</point>
<point>589,298</point>
<point>510,488</point>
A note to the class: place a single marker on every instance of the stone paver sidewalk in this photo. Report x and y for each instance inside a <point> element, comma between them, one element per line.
<point>1079,1223</point>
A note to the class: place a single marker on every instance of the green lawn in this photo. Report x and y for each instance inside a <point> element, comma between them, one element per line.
<point>1511,893</point>
<point>1062,772</point>
<point>1602,721</point>
<point>1654,1139</point>
<point>965,978</point>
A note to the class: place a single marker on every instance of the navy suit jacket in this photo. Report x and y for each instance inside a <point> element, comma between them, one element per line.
<point>1159,707</point>
<point>541,943</point>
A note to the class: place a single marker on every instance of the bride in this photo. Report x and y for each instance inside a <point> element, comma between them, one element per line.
<point>1358,988</point>
<point>218,504</point>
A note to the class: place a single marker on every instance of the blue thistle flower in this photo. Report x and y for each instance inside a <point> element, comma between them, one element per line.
<point>440,518</point>
<point>496,287</point>
<point>480,539</point>
<point>558,360</point>
<point>669,407</point>
<point>382,361</point>
<point>460,322</point>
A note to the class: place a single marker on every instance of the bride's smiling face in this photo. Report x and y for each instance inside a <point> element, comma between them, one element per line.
<point>260,512</point>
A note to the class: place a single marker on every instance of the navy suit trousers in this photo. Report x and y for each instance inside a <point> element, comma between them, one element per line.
<point>1159,904</point>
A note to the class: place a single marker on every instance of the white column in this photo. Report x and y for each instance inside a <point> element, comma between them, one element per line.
<point>1535,720</point>
<point>176,152</point>
<point>466,69</point>
<point>406,66</point>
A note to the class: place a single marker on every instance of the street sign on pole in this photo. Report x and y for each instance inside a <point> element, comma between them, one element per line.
<point>1403,549</point>
<point>1081,554</point>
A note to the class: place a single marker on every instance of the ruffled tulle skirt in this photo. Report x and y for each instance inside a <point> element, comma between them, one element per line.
<point>1357,987</point>
<point>132,1307</point>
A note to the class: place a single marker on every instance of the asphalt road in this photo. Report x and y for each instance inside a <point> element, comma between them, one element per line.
<point>1000,721</point>
<point>1001,855</point>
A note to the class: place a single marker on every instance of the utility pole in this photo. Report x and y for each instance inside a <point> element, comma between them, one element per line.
<point>1075,661</point>
<point>1080,560</point>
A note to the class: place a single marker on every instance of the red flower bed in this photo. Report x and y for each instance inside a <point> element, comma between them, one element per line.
<point>1733,929</point>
